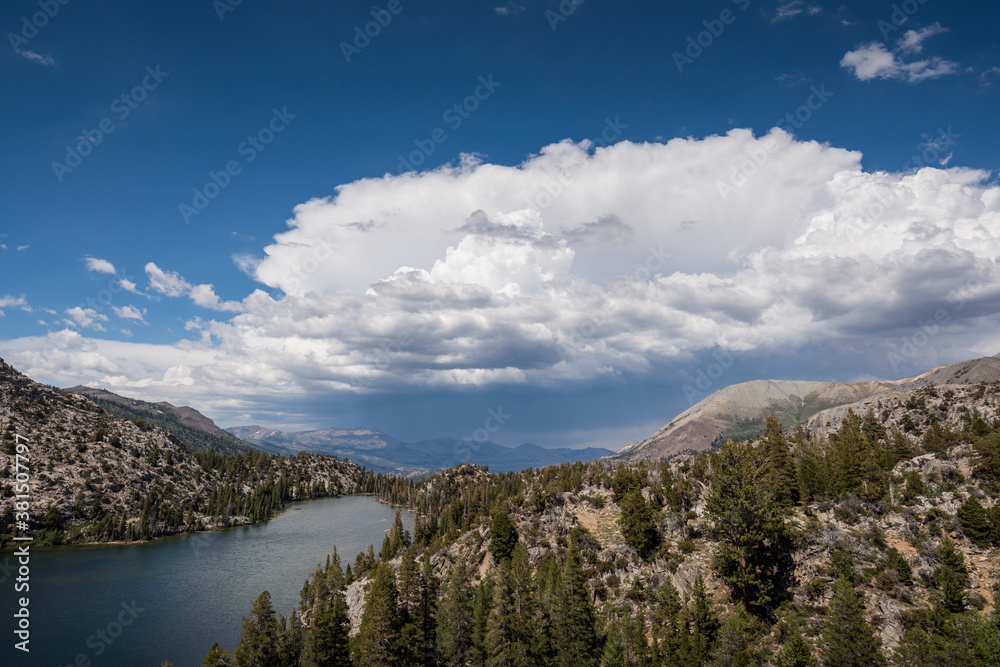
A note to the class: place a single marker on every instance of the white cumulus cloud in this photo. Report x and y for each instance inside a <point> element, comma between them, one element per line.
<point>577,265</point>
<point>172,284</point>
<point>86,318</point>
<point>129,313</point>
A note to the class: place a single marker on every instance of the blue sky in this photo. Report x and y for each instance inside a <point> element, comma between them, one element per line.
<point>579,212</point>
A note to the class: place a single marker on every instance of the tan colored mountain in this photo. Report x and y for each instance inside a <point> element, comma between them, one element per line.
<point>739,410</point>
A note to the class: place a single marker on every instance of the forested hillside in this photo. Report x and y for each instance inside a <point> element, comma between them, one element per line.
<point>97,477</point>
<point>194,429</point>
<point>874,544</point>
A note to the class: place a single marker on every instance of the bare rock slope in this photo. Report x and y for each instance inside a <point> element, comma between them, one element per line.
<point>739,410</point>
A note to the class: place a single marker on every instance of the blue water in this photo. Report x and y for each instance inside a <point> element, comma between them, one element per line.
<point>171,599</point>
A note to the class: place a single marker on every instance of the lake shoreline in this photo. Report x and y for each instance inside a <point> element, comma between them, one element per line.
<point>12,546</point>
<point>199,588</point>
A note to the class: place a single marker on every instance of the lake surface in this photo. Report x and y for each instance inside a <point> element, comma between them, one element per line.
<point>173,598</point>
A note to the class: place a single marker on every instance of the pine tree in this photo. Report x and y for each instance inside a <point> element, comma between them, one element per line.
<point>848,640</point>
<point>625,481</point>
<point>811,480</point>
<point>549,584</point>
<point>781,475</point>
<point>427,613</point>
<point>325,643</point>
<point>614,648</point>
<point>638,524</point>
<point>896,561</point>
<point>951,558</point>
<point>503,536</point>
<point>795,652</point>
<point>481,608</point>
<point>749,525</point>
<point>975,522</point>
<point>290,639</point>
<point>508,632</point>
<point>258,645</point>
<point>704,626</point>
<point>454,627</point>
<point>899,449</point>
<point>952,597</point>
<point>873,429</point>
<point>575,630</point>
<point>411,632</point>
<point>733,646</point>
<point>378,636</point>
<point>988,451</point>
<point>399,537</point>
<point>859,472</point>
<point>217,657</point>
<point>669,622</point>
<point>637,650</point>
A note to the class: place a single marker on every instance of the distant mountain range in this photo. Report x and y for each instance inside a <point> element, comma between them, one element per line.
<point>366,446</point>
<point>739,410</point>
<point>736,411</point>
<point>383,453</point>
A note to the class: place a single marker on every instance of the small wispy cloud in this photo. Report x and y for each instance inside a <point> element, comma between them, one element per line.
<point>247,263</point>
<point>876,61</point>
<point>99,265</point>
<point>48,61</point>
<point>172,284</point>
<point>793,8</point>
<point>987,77</point>
<point>790,79</point>
<point>129,286</point>
<point>509,9</point>
<point>129,313</point>
<point>16,301</point>
<point>912,41</point>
